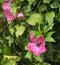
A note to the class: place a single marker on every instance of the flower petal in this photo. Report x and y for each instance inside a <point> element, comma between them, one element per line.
<point>36,51</point>
<point>7,9</point>
<point>31,46</point>
<point>41,39</point>
<point>9,15</point>
<point>42,49</point>
<point>32,39</point>
<point>6,6</point>
<point>20,15</point>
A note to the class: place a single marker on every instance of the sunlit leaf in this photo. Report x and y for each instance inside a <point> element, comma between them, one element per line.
<point>11,31</point>
<point>28,55</point>
<point>48,38</point>
<point>46,1</point>
<point>10,60</point>
<point>48,27</point>
<point>20,31</point>
<point>35,18</point>
<point>49,16</point>
<point>10,40</point>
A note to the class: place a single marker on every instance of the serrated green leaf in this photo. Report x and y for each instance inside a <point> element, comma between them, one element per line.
<point>49,16</point>
<point>49,39</point>
<point>35,18</point>
<point>20,31</point>
<point>28,55</point>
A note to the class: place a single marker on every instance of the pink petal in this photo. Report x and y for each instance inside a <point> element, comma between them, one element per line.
<point>6,6</point>
<point>42,48</point>
<point>32,39</point>
<point>20,15</point>
<point>31,36</point>
<point>31,46</point>
<point>36,51</point>
<point>9,16</point>
<point>9,0</point>
<point>41,39</point>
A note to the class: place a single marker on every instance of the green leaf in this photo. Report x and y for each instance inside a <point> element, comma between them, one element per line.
<point>10,60</point>
<point>43,63</point>
<point>6,49</point>
<point>20,31</point>
<point>10,40</point>
<point>48,28</point>
<point>55,4</point>
<point>28,55</point>
<point>13,9</point>
<point>11,31</point>
<point>49,16</point>
<point>36,33</point>
<point>31,1</point>
<point>46,1</point>
<point>42,8</point>
<point>48,38</point>
<point>39,58</point>
<point>58,18</point>
<point>35,18</point>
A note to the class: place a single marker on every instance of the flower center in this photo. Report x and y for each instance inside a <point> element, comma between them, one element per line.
<point>38,44</point>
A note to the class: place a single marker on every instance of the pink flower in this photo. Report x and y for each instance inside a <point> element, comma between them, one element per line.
<point>20,15</point>
<point>37,45</point>
<point>7,11</point>
<point>8,1</point>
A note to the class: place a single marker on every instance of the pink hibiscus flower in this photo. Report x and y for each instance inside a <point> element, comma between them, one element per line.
<point>37,45</point>
<point>7,11</point>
